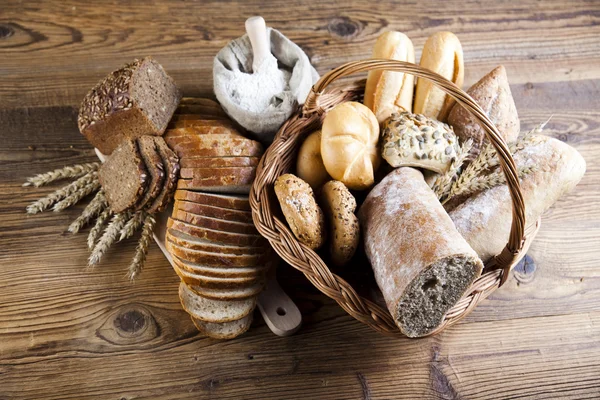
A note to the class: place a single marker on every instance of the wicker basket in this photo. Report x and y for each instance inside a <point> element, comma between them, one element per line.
<point>280,158</point>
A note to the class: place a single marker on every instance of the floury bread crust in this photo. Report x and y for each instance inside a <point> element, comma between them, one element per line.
<point>484,219</point>
<point>421,263</point>
<point>137,99</point>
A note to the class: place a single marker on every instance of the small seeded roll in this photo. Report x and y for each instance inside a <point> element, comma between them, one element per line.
<point>301,210</point>
<point>339,205</point>
<point>422,265</point>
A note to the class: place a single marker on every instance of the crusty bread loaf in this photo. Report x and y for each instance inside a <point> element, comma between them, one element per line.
<point>485,219</point>
<point>238,239</point>
<point>123,177</point>
<point>309,164</point>
<point>388,92</point>
<point>212,310</point>
<point>422,264</point>
<point>492,93</point>
<point>137,99</point>
<point>349,140</point>
<point>235,202</point>
<point>224,330</point>
<point>443,54</point>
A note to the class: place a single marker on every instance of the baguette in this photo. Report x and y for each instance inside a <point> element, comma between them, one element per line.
<point>388,92</point>
<point>442,53</point>
<point>422,264</point>
<point>484,219</point>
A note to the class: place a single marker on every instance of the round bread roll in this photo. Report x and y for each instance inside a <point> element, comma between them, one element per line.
<point>349,140</point>
<point>301,211</point>
<point>443,54</point>
<point>339,206</point>
<point>309,165</point>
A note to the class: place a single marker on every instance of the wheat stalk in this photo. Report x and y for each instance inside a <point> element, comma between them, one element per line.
<point>77,196</point>
<point>132,225</point>
<point>480,183</point>
<point>97,228</point>
<point>93,209</point>
<point>135,268</point>
<point>443,182</point>
<point>46,202</point>
<point>72,171</point>
<point>109,236</point>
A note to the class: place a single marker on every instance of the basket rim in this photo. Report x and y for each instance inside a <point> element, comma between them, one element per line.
<point>279,156</point>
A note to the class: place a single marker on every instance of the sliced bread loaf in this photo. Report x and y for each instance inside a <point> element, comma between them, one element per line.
<point>198,121</point>
<point>171,163</point>
<point>235,202</point>
<point>194,243</point>
<point>213,211</point>
<point>221,271</point>
<point>238,239</point>
<point>213,223</point>
<point>123,176</point>
<point>216,162</point>
<point>248,292</point>
<point>193,145</point>
<point>211,171</point>
<point>224,330</point>
<point>155,168</point>
<point>137,99</point>
<point>212,310</point>
<point>212,282</point>
<point>216,259</point>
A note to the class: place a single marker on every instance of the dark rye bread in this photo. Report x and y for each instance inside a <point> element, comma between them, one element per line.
<point>234,202</point>
<point>155,168</point>
<point>171,162</point>
<point>123,177</point>
<point>137,99</point>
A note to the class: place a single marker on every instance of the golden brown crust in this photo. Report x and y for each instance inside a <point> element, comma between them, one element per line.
<point>309,164</point>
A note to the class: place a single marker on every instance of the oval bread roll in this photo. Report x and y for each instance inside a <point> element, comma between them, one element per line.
<point>349,140</point>
<point>389,92</point>
<point>442,53</point>
<point>309,165</point>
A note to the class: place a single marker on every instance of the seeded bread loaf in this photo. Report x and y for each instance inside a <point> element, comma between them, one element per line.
<point>234,202</point>
<point>485,219</point>
<point>224,330</point>
<point>171,163</point>
<point>211,310</point>
<point>137,99</point>
<point>123,177</point>
<point>156,170</point>
<point>422,265</point>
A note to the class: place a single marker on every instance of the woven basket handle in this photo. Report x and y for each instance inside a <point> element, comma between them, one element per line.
<point>510,253</point>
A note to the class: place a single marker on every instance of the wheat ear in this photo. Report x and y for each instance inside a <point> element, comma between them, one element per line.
<point>134,223</point>
<point>46,202</point>
<point>137,264</point>
<point>93,209</point>
<point>441,185</point>
<point>110,235</point>
<point>77,196</point>
<point>97,228</point>
<point>72,171</point>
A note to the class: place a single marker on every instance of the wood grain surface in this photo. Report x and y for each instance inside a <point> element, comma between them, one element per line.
<point>68,332</point>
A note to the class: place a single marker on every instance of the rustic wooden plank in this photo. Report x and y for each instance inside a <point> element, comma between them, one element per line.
<point>48,43</point>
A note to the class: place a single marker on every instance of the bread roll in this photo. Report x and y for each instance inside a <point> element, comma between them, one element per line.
<point>422,264</point>
<point>349,139</point>
<point>485,219</point>
<point>309,165</point>
<point>442,53</point>
<point>388,92</point>
<point>492,93</point>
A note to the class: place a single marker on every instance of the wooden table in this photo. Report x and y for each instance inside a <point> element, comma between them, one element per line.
<point>73,333</point>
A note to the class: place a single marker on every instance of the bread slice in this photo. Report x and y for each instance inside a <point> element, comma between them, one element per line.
<point>201,109</point>
<point>213,223</point>
<point>211,310</point>
<point>171,163</point>
<point>215,282</point>
<point>123,177</point>
<point>224,330</point>
<point>238,239</point>
<point>198,128</point>
<point>235,202</point>
<point>215,259</point>
<point>229,294</point>
<point>212,171</point>
<point>213,211</point>
<point>155,168</point>
<point>228,184</point>
<point>194,145</point>
<point>198,121</point>
<point>194,243</point>
<point>221,271</point>
<point>135,100</point>
<point>218,162</point>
